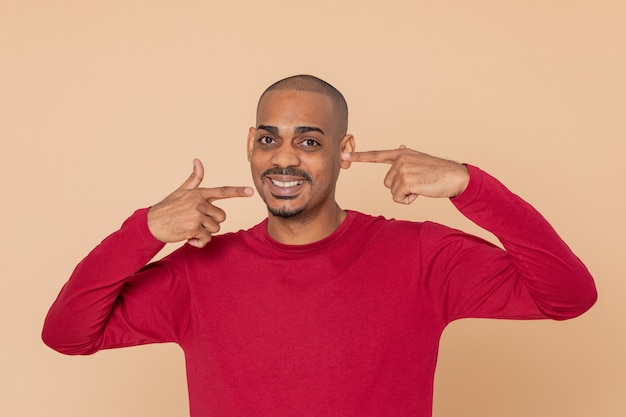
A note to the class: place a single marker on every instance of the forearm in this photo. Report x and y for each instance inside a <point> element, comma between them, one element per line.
<point>558,281</point>
<point>76,321</point>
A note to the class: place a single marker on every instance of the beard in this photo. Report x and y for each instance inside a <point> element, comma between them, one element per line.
<point>283,212</point>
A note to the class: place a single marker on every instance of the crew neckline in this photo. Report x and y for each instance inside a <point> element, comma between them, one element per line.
<point>310,247</point>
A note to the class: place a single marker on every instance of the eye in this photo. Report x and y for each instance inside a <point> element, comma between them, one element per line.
<point>266,140</point>
<point>309,143</point>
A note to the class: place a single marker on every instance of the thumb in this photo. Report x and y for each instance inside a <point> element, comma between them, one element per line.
<point>195,178</point>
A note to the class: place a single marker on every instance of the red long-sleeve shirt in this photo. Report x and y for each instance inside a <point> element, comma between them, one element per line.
<point>347,326</point>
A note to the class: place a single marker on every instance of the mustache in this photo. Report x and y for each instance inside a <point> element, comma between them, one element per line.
<point>290,171</point>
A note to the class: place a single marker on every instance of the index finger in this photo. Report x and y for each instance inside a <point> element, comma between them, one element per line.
<point>386,157</point>
<point>219,193</point>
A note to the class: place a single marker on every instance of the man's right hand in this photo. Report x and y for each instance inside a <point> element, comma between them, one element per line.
<point>188,213</point>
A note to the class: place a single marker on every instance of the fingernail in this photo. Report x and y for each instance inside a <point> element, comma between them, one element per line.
<point>247,191</point>
<point>345,155</point>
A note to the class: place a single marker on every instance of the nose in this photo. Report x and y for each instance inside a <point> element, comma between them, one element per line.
<point>286,156</point>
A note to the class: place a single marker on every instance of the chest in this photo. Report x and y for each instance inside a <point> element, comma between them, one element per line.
<point>302,314</point>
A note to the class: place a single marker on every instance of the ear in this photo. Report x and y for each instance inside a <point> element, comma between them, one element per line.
<point>346,145</point>
<point>250,146</point>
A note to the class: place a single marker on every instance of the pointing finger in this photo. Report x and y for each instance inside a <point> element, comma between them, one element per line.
<point>195,178</point>
<point>219,193</point>
<point>386,157</point>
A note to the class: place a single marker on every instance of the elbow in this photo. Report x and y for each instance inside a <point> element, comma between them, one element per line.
<point>54,342</point>
<point>578,301</point>
<point>50,340</point>
<point>587,300</point>
<point>587,295</point>
<point>66,348</point>
<point>58,339</point>
<point>582,306</point>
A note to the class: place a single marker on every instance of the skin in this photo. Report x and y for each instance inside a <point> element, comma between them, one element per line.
<point>188,213</point>
<point>297,131</point>
<point>414,173</point>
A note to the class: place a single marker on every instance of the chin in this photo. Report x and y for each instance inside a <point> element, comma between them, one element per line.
<point>285,207</point>
<point>284,212</point>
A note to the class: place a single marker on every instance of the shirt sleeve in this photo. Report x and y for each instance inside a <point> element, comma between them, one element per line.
<point>535,276</point>
<point>114,298</point>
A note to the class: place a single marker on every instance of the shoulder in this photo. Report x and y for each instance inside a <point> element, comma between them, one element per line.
<point>383,225</point>
<point>404,232</point>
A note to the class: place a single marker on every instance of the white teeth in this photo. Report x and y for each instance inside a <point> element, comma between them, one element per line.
<point>286,184</point>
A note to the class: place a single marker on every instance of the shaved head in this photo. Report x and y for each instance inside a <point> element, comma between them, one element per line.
<point>313,84</point>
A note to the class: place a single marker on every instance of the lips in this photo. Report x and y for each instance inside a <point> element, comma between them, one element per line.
<point>284,186</point>
<point>285,183</point>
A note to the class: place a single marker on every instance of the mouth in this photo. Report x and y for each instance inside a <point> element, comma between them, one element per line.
<point>285,183</point>
<point>285,187</point>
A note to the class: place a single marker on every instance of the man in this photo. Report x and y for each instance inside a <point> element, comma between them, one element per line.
<point>316,311</point>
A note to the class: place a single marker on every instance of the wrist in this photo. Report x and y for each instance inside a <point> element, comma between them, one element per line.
<point>462,180</point>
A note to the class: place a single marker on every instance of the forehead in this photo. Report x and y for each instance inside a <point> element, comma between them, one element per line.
<point>295,108</point>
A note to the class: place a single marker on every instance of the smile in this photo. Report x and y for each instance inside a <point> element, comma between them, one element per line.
<point>285,187</point>
<point>286,184</point>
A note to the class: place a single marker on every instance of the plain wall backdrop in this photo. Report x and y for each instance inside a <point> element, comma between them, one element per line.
<point>103,105</point>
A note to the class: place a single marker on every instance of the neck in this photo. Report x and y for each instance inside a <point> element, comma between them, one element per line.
<point>305,228</point>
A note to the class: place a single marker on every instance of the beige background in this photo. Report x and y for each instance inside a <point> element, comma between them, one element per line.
<point>103,104</point>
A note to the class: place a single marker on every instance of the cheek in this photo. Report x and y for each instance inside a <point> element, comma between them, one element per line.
<point>255,172</point>
<point>324,170</point>
<point>256,161</point>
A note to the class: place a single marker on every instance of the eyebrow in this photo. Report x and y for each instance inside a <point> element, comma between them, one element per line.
<point>298,130</point>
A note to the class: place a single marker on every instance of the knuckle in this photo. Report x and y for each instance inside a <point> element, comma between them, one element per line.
<point>197,206</point>
<point>219,216</point>
<point>402,158</point>
<point>196,228</point>
<point>213,227</point>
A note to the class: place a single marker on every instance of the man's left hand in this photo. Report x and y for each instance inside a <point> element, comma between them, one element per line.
<point>413,173</point>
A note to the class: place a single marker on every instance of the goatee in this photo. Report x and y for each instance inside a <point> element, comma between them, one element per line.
<point>284,213</point>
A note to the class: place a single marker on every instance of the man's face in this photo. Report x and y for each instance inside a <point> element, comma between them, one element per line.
<point>295,152</point>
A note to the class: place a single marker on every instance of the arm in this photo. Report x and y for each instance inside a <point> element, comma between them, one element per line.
<point>537,276</point>
<point>87,313</point>
<point>113,298</point>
